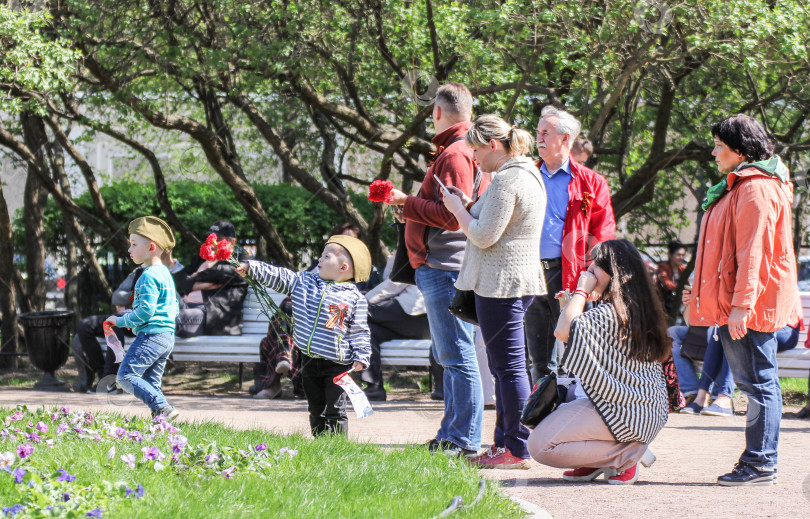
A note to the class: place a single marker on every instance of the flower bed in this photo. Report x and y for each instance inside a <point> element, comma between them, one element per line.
<point>63,463</point>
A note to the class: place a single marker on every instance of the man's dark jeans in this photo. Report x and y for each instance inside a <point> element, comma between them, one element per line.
<point>540,320</point>
<point>326,400</point>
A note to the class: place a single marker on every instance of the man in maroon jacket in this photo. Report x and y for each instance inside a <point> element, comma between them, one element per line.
<point>578,216</point>
<point>436,249</point>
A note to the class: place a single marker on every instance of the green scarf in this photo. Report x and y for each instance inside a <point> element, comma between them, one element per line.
<point>772,166</point>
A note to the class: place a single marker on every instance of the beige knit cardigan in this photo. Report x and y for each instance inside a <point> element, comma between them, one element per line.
<point>502,256</point>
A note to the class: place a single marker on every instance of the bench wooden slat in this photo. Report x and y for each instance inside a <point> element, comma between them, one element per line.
<point>405,361</point>
<point>401,352</point>
<point>186,357</point>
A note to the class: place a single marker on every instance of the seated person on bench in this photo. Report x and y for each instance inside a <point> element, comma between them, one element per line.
<point>215,287</point>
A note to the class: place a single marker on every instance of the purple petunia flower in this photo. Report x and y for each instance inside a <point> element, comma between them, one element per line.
<point>11,511</point>
<point>120,432</point>
<point>261,447</point>
<point>24,450</point>
<point>49,443</point>
<point>152,453</point>
<point>65,476</point>
<point>66,497</point>
<point>288,451</point>
<point>94,513</point>
<point>79,429</point>
<point>54,417</point>
<point>88,418</point>
<point>138,492</point>
<point>129,459</point>
<point>16,415</point>
<point>178,442</point>
<point>228,473</point>
<point>34,437</point>
<point>42,427</point>
<point>65,410</point>
<point>135,436</point>
<point>18,475</point>
<point>212,458</point>
<point>62,427</point>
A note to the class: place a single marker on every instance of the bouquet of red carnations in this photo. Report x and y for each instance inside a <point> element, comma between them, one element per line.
<point>380,191</point>
<point>222,250</point>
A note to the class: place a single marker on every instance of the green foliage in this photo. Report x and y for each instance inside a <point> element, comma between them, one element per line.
<point>302,220</point>
<point>30,60</point>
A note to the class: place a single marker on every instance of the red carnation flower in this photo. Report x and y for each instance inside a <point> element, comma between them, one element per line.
<point>223,250</point>
<point>207,249</point>
<point>380,191</point>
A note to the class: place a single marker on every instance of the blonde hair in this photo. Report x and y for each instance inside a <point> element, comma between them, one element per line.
<point>487,127</point>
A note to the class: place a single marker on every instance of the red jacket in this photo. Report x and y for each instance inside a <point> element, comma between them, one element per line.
<point>588,220</point>
<point>455,166</point>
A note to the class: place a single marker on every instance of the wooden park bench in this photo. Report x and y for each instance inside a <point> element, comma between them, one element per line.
<point>795,363</point>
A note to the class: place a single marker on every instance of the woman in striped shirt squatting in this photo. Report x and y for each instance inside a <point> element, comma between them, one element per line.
<point>330,330</point>
<point>616,351</point>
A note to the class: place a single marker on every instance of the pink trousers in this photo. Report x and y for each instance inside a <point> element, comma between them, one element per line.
<point>575,436</point>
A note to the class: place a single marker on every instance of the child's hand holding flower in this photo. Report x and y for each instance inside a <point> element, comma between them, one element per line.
<point>358,366</point>
<point>242,269</point>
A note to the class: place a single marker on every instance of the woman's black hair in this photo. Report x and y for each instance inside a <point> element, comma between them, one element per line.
<point>675,246</point>
<point>744,135</point>
<point>635,299</point>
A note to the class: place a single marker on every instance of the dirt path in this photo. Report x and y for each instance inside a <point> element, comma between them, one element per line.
<point>692,451</point>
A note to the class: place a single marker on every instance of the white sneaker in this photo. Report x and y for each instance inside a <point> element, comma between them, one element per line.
<point>283,367</point>
<point>269,394</point>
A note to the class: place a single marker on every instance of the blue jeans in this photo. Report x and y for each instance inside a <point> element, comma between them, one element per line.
<point>716,377</point>
<point>142,368</point>
<point>454,349</point>
<point>753,362</point>
<point>687,375</point>
<point>787,338</point>
<point>501,321</point>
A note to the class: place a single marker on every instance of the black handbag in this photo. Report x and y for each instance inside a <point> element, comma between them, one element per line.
<point>402,271</point>
<point>544,399</point>
<point>463,306</point>
<point>694,344</point>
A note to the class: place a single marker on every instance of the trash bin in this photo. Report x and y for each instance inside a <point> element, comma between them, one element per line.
<point>47,338</point>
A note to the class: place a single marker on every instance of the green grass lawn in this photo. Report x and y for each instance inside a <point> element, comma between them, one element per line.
<point>327,477</point>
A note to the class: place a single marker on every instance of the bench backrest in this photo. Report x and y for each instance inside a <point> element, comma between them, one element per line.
<point>254,320</point>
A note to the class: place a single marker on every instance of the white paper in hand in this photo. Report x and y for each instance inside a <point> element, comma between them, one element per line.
<point>360,402</point>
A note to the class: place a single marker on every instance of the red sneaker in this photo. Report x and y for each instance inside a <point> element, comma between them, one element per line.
<point>504,460</point>
<point>587,473</point>
<point>628,477</point>
<point>491,451</point>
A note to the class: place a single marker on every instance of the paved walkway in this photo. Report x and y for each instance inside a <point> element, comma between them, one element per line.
<point>692,451</point>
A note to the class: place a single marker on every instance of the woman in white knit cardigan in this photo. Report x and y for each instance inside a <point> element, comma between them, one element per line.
<point>502,266</point>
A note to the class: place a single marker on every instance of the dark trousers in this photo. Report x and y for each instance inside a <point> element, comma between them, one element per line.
<point>541,319</point>
<point>326,400</point>
<point>501,321</point>
<point>90,359</point>
<point>386,321</point>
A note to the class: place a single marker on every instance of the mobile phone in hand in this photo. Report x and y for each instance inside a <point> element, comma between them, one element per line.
<point>444,188</point>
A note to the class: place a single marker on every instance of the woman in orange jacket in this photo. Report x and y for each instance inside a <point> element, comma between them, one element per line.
<point>745,281</point>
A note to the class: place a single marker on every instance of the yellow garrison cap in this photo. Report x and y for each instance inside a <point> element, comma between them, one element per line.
<point>155,229</point>
<point>361,257</point>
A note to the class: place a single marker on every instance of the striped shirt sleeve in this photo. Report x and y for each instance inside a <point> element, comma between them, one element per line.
<point>145,303</point>
<point>277,279</point>
<point>358,333</point>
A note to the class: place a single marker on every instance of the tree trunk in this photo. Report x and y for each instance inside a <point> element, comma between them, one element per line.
<point>8,307</point>
<point>34,209</point>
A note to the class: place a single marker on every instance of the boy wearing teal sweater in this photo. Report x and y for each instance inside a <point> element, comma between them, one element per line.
<point>152,319</point>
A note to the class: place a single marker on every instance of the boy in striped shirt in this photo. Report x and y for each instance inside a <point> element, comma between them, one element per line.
<point>329,323</point>
<point>154,310</point>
